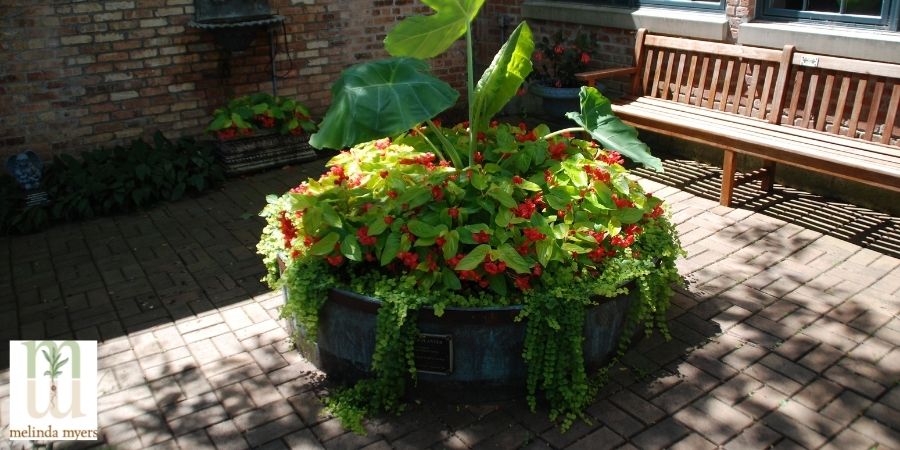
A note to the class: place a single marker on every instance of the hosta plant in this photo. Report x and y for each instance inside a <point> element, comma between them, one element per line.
<point>478,214</point>
<point>244,116</point>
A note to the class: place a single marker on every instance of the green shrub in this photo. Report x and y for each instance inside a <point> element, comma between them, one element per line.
<point>111,180</point>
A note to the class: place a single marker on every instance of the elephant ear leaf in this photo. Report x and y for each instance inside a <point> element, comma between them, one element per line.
<point>425,37</point>
<point>502,79</point>
<point>381,98</point>
<point>598,119</point>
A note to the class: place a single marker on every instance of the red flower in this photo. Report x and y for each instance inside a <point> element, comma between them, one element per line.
<point>622,202</point>
<point>409,259</point>
<point>388,219</point>
<point>530,136</point>
<point>559,49</point>
<point>612,158</point>
<point>383,173</point>
<point>523,249</point>
<point>495,268</point>
<point>525,209</point>
<point>532,234</point>
<point>470,275</point>
<point>288,232</point>
<point>452,262</point>
<point>558,150</point>
<point>392,194</point>
<point>479,157</point>
<point>363,235</point>
<point>538,56</point>
<point>481,136</point>
<point>585,58</point>
<point>537,270</point>
<point>517,179</point>
<point>453,212</point>
<point>437,193</point>
<point>481,237</point>
<point>335,260</point>
<point>523,282</point>
<point>383,144</point>
<point>440,241</point>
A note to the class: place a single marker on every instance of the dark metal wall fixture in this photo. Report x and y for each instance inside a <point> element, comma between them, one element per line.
<point>235,23</point>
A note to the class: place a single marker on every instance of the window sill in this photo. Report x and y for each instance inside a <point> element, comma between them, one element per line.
<point>679,22</point>
<point>873,45</point>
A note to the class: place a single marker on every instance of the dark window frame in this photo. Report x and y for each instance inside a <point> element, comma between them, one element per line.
<point>887,20</point>
<point>679,4</point>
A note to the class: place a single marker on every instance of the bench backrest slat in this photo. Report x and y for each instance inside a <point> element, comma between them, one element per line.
<point>860,66</point>
<point>741,80</point>
<point>715,48</point>
<point>853,126</point>
<point>844,103</point>
<point>891,120</point>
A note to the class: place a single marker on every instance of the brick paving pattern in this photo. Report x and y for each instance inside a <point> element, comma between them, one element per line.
<point>786,337</point>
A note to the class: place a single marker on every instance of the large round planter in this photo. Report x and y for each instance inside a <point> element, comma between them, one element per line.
<point>485,354</point>
<point>557,101</point>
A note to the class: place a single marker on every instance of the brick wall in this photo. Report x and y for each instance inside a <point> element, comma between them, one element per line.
<point>75,75</point>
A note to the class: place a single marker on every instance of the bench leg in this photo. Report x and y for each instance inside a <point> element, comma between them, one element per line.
<point>768,179</point>
<point>727,178</point>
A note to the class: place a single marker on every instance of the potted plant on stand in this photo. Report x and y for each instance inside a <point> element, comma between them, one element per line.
<point>475,255</point>
<point>557,60</point>
<point>260,131</point>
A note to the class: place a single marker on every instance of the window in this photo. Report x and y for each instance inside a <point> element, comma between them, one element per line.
<point>877,13</point>
<point>697,4</point>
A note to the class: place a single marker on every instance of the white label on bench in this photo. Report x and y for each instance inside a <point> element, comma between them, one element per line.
<point>809,61</point>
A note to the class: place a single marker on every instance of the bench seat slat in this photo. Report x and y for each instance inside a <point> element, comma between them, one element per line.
<point>840,142</point>
<point>766,145</point>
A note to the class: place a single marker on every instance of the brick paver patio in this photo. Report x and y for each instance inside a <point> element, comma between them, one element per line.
<point>787,335</point>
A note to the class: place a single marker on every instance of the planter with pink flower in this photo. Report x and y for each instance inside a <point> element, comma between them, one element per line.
<point>415,224</point>
<point>260,131</point>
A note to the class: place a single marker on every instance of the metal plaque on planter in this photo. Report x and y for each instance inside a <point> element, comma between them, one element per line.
<point>434,353</point>
<point>217,11</point>
<point>263,151</point>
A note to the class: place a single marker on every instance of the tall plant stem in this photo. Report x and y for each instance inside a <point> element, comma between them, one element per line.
<point>564,130</point>
<point>470,69</point>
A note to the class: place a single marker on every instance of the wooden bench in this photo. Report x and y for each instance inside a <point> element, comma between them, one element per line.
<point>832,115</point>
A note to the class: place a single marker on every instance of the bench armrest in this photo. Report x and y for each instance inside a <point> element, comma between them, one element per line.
<point>591,77</point>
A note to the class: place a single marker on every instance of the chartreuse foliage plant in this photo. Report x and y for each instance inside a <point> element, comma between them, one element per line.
<point>479,214</point>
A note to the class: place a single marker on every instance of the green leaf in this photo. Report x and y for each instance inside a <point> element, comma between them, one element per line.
<point>503,217</point>
<point>451,244</point>
<point>325,245</point>
<point>351,249</point>
<point>597,117</point>
<point>451,281</point>
<point>219,123</point>
<point>504,198</point>
<point>331,216</point>
<point>422,229</point>
<point>513,259</point>
<point>381,98</point>
<point>630,215</point>
<point>377,226</point>
<point>391,247</point>
<point>498,284</point>
<point>474,258</point>
<point>502,79</point>
<point>544,250</point>
<point>479,181</point>
<point>425,37</point>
